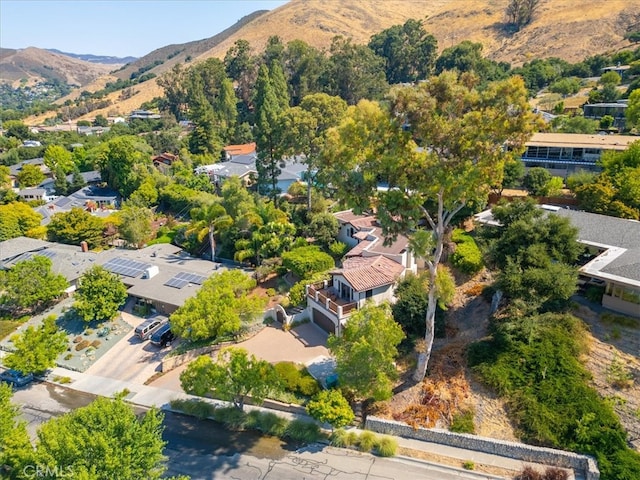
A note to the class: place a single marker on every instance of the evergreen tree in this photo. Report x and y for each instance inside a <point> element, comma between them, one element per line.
<point>60,185</point>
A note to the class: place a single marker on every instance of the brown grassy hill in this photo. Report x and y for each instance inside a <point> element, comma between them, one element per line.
<point>569,29</point>
<point>35,64</point>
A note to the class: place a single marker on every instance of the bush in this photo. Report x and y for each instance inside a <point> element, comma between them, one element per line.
<point>302,432</point>
<point>555,474</point>
<point>308,386</point>
<point>386,446</point>
<point>82,345</point>
<point>271,292</point>
<point>594,294</point>
<point>231,417</point>
<point>367,441</point>
<point>529,473</point>
<point>467,257</point>
<point>197,408</point>
<point>469,465</point>
<point>296,379</point>
<point>463,422</point>
<point>338,249</point>
<point>306,261</point>
<point>68,356</point>
<point>96,343</point>
<point>298,293</point>
<point>340,438</point>
<point>267,422</point>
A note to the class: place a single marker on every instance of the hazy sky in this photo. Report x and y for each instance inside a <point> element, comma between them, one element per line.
<point>118,27</point>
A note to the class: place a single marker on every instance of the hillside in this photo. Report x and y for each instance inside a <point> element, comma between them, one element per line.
<point>104,59</point>
<point>562,28</point>
<point>35,65</point>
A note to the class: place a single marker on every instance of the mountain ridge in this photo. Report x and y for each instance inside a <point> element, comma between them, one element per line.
<point>89,57</point>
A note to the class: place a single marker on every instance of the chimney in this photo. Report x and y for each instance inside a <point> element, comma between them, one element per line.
<point>84,246</point>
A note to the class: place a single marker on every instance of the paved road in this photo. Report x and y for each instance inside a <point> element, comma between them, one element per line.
<point>205,451</point>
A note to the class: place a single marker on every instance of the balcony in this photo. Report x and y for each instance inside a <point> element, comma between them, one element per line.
<point>324,294</point>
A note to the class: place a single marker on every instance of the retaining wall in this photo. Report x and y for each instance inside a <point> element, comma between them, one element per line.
<point>519,451</point>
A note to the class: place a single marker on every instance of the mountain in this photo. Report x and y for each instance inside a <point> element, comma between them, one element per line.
<point>103,59</point>
<point>567,29</point>
<point>32,65</point>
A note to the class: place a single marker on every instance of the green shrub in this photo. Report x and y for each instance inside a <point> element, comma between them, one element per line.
<point>231,417</point>
<point>338,249</point>
<point>266,422</point>
<point>289,373</point>
<point>386,446</point>
<point>298,293</point>
<point>306,261</point>
<point>68,356</point>
<point>594,294</point>
<point>623,321</point>
<point>463,422</point>
<point>197,408</point>
<point>351,438</point>
<point>339,438</point>
<point>367,441</point>
<point>467,257</point>
<point>271,292</point>
<point>469,465</point>
<point>307,385</point>
<point>302,432</point>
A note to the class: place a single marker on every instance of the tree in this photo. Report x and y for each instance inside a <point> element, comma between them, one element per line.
<point>75,226</point>
<point>354,72</point>
<point>103,441</point>
<point>268,108</point>
<point>100,121</point>
<point>366,351</point>
<point>536,181</point>
<point>220,307</point>
<point>575,124</point>
<point>409,51</point>
<point>30,176</point>
<point>610,78</point>
<point>56,156</point>
<point>323,228</point>
<point>36,349</point>
<point>410,307</point>
<point>30,285</point>
<point>520,13</point>
<point>305,128</point>
<point>632,112</point>
<point>60,184</point>
<point>17,219</point>
<point>99,295</point>
<point>121,160</point>
<point>207,222</point>
<point>15,446</point>
<point>135,227</point>
<point>329,406</point>
<point>234,376</point>
<point>306,261</point>
<point>461,132</point>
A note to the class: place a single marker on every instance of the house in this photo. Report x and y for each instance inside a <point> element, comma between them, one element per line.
<point>100,201</point>
<point>90,130</point>
<point>31,143</point>
<point>164,161</point>
<point>364,235</point>
<point>14,170</point>
<point>612,249</point>
<point>144,115</point>
<point>565,153</point>
<point>90,178</point>
<point>38,194</point>
<point>369,272</point>
<point>595,111</point>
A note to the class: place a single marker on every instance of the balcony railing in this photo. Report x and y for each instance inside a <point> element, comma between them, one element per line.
<point>324,294</point>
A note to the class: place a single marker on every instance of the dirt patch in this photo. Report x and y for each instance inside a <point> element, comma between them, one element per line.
<point>270,283</point>
<point>450,387</point>
<point>614,362</point>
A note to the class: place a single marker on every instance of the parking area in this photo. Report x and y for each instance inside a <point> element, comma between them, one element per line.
<point>273,344</point>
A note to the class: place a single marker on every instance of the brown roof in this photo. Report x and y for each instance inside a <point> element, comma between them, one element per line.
<point>366,273</point>
<point>359,221</point>
<point>244,149</point>
<point>580,140</point>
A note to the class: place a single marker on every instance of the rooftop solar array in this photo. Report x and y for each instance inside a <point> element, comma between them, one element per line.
<point>183,278</point>
<point>126,267</point>
<point>30,255</point>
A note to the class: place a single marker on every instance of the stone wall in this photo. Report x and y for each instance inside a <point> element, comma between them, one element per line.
<point>518,451</point>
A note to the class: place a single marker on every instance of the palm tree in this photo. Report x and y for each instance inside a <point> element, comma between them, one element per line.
<point>209,220</point>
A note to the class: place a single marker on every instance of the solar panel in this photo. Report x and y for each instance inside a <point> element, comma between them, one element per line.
<point>126,267</point>
<point>176,282</point>
<point>46,253</point>
<point>191,277</point>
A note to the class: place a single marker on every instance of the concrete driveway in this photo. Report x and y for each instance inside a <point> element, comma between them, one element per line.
<point>300,345</point>
<point>130,359</point>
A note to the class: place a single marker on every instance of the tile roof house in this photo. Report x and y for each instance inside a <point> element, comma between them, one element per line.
<point>369,272</point>
<point>101,201</point>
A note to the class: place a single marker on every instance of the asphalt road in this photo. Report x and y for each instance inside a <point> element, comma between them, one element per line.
<point>205,451</point>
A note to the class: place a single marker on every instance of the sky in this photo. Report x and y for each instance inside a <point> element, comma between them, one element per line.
<point>118,27</point>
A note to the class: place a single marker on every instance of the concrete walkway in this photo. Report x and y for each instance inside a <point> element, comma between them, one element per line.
<point>147,396</point>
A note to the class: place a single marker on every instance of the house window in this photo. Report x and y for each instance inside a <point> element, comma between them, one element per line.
<point>350,231</point>
<point>368,294</point>
<point>346,292</point>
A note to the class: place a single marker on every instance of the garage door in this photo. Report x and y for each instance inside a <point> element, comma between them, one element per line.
<point>323,321</point>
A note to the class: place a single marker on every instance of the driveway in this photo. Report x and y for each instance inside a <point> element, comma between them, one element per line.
<point>300,345</point>
<point>130,359</point>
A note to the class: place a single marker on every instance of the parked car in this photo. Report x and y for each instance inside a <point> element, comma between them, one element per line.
<point>16,378</point>
<point>148,327</point>
<point>163,336</point>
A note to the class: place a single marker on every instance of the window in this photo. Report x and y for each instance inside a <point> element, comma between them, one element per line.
<point>368,294</point>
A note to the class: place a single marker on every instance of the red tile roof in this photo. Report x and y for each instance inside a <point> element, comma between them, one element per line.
<point>244,149</point>
<point>366,273</point>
